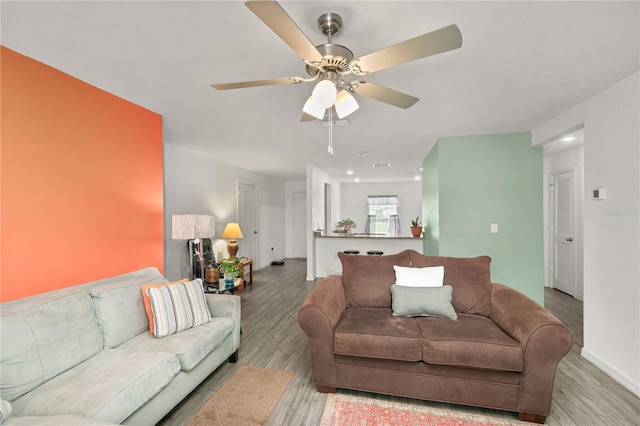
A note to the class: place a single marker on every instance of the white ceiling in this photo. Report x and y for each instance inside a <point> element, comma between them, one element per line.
<point>521,64</point>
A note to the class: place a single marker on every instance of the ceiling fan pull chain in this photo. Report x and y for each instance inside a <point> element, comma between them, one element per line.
<point>330,147</point>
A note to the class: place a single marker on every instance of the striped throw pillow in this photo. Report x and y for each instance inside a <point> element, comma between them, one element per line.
<point>199,308</point>
<point>177,307</point>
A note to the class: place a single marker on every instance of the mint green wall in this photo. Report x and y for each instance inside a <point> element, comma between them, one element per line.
<point>431,203</point>
<point>483,180</point>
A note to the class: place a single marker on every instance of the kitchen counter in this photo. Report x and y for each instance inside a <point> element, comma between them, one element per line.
<point>326,248</point>
<point>377,236</point>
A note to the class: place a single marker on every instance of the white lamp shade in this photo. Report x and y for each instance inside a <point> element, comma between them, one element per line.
<point>205,226</point>
<point>313,108</point>
<point>345,104</point>
<point>192,226</point>
<point>324,94</point>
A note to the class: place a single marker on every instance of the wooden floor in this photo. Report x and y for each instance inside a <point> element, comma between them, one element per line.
<point>583,394</point>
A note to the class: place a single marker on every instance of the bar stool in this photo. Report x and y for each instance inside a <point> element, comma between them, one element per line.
<point>354,252</point>
<point>375,253</point>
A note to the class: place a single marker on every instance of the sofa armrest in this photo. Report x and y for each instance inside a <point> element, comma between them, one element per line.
<point>225,305</point>
<point>318,318</point>
<point>544,341</point>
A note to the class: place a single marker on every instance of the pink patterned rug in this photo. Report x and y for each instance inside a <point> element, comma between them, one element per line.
<point>346,410</point>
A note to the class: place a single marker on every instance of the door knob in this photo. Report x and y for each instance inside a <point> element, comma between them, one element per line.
<point>569,239</point>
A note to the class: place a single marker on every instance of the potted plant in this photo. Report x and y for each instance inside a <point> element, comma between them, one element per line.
<point>347,224</point>
<point>416,227</point>
<point>232,272</point>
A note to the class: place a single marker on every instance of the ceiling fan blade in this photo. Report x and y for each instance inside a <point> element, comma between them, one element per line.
<point>256,83</point>
<point>438,41</point>
<point>274,16</point>
<point>383,94</point>
<point>307,117</point>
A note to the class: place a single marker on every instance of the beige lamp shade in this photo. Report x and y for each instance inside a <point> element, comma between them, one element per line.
<point>232,232</point>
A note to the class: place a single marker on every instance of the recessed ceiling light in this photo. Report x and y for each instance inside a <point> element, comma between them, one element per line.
<point>362,153</point>
<point>417,178</point>
<point>350,172</point>
<point>568,139</point>
<point>356,180</point>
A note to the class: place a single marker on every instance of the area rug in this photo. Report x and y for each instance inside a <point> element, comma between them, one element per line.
<point>247,398</point>
<point>346,410</point>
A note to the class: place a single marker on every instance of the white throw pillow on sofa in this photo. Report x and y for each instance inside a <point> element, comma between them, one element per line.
<point>431,276</point>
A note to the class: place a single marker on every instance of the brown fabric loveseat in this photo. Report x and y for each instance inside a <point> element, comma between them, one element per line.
<point>501,352</point>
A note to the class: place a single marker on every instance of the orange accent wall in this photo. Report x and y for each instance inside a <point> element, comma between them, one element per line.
<point>81,181</point>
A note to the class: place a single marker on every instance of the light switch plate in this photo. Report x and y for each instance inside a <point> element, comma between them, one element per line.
<point>494,228</point>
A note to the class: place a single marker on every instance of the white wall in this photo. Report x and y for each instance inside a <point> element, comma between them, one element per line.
<point>570,159</point>
<point>611,227</point>
<point>290,188</point>
<point>316,180</point>
<point>197,184</point>
<point>354,202</point>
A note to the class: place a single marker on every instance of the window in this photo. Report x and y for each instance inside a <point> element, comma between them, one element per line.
<point>383,214</point>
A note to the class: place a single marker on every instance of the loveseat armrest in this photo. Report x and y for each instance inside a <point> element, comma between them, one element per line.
<point>226,305</point>
<point>544,341</point>
<point>320,313</point>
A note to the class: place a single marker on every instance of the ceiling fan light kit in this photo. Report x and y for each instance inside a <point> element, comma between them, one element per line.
<point>330,63</point>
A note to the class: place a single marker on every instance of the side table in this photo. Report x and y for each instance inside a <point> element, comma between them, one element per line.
<point>244,262</point>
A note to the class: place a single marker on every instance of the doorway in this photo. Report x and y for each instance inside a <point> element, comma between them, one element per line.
<point>247,213</point>
<point>563,232</point>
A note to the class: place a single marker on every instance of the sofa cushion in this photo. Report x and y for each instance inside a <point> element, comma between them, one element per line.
<point>107,387</point>
<point>61,420</point>
<point>119,307</point>
<point>422,302</point>
<point>191,346</point>
<point>472,341</point>
<point>147,303</point>
<point>43,337</point>
<point>375,333</point>
<point>367,279</point>
<point>431,276</point>
<point>469,277</point>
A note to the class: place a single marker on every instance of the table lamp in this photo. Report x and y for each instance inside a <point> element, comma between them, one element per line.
<point>232,232</point>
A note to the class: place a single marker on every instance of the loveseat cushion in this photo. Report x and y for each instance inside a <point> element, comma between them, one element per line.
<point>119,307</point>
<point>375,333</point>
<point>43,337</point>
<point>367,279</point>
<point>60,420</point>
<point>191,346</point>
<point>471,341</point>
<point>107,387</point>
<point>469,277</point>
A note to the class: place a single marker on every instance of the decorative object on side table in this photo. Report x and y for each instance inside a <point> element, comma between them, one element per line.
<point>416,227</point>
<point>232,232</point>
<point>232,272</point>
<point>347,225</point>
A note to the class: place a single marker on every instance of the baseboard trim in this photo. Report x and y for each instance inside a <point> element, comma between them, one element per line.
<point>611,371</point>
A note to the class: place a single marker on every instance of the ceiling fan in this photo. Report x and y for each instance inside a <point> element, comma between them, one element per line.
<point>329,63</point>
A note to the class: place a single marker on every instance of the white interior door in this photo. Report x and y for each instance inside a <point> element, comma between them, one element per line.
<point>247,213</point>
<point>300,224</point>
<point>563,232</point>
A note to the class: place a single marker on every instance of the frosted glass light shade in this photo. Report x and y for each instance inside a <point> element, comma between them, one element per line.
<point>345,104</point>
<point>324,94</point>
<point>192,226</point>
<point>313,108</point>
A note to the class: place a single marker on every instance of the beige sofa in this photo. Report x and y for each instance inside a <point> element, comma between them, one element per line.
<point>83,355</point>
<point>501,352</point>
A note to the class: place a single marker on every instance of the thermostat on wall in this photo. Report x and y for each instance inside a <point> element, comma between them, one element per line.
<point>599,193</point>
